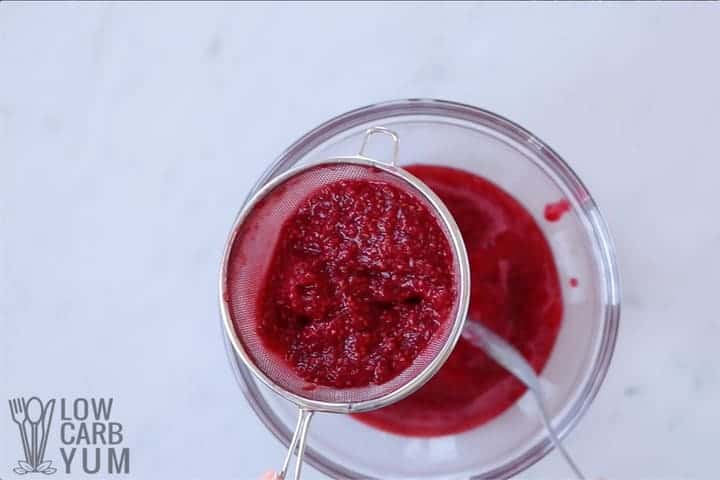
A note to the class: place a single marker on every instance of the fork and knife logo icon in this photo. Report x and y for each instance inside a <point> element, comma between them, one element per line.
<point>33,419</point>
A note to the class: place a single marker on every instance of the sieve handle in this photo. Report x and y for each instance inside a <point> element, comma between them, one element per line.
<point>298,442</point>
<point>381,131</point>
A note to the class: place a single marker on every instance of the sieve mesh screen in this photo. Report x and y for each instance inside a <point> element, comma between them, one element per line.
<point>250,256</point>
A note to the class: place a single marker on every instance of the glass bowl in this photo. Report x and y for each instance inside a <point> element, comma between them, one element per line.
<point>462,136</point>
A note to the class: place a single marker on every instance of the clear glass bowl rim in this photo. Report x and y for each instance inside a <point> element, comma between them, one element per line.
<point>550,160</point>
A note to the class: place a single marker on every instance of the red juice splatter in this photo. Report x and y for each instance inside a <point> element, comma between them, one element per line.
<point>574,282</point>
<point>555,211</point>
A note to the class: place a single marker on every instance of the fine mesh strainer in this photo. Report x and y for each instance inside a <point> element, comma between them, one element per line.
<point>248,257</point>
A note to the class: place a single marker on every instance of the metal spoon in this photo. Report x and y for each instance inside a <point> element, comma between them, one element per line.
<point>512,361</point>
<point>34,414</point>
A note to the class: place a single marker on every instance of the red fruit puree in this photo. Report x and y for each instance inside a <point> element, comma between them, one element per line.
<point>515,292</point>
<point>361,278</point>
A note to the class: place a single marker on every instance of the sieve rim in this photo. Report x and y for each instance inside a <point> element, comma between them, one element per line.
<point>462,287</point>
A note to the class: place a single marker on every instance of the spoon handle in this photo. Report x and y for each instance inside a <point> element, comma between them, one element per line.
<point>512,360</point>
<point>34,453</point>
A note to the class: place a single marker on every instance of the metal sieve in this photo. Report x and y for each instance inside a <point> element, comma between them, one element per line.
<point>246,261</point>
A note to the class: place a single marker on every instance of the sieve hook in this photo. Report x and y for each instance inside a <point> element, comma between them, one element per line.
<point>298,443</point>
<point>385,131</point>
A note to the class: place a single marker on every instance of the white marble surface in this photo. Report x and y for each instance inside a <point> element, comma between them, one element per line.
<point>129,134</point>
